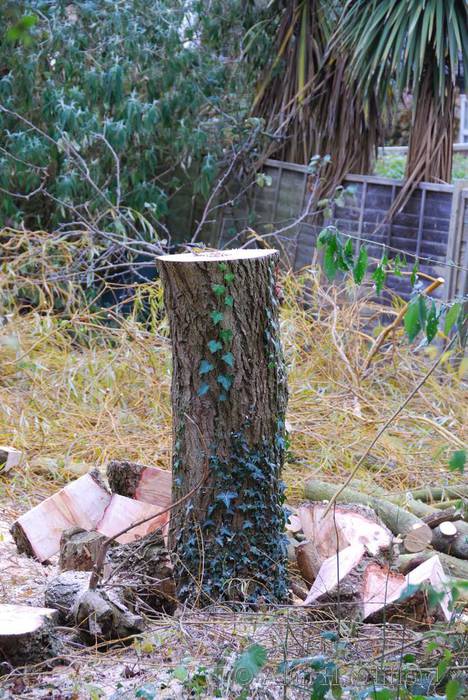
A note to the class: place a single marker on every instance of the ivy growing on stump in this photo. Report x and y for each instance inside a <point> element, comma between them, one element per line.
<point>229,396</point>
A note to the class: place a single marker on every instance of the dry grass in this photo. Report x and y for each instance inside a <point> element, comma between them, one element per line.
<point>77,392</point>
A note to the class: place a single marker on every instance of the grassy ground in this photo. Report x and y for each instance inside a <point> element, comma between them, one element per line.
<point>393,165</point>
<point>76,391</point>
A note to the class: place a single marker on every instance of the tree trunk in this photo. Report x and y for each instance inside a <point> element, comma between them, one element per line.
<point>229,397</point>
<point>431,138</point>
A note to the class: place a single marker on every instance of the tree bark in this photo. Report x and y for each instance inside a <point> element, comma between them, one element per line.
<point>229,396</point>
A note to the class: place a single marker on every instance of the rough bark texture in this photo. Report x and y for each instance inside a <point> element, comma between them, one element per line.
<point>79,549</point>
<point>27,635</point>
<point>456,545</point>
<point>62,591</point>
<point>229,397</point>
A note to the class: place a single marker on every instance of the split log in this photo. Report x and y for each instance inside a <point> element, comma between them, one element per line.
<point>308,560</point>
<point>452,566</point>
<point>398,520</point>
<point>84,503</point>
<point>138,573</point>
<point>452,542</point>
<point>229,396</point>
<point>148,484</point>
<point>79,549</point>
<point>104,615</point>
<point>9,458</point>
<point>27,634</point>
<point>81,503</point>
<point>342,526</point>
<point>364,588</point>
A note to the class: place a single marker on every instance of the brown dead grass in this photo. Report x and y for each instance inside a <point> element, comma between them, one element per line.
<point>77,392</point>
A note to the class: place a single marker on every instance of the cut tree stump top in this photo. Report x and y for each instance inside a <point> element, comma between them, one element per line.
<point>218,255</point>
<point>17,620</point>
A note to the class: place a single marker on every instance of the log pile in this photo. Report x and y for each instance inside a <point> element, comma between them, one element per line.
<point>372,557</point>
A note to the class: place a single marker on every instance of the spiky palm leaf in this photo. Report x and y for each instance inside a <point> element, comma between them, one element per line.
<point>417,45</point>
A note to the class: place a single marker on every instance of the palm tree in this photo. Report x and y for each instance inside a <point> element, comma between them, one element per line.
<point>416,46</point>
<point>306,97</point>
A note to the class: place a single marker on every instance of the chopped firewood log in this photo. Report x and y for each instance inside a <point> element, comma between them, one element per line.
<point>342,526</point>
<point>308,560</point>
<point>62,591</point>
<point>9,458</point>
<point>81,503</point>
<point>27,634</point>
<point>87,504</point>
<point>447,541</point>
<point>148,484</point>
<point>365,588</point>
<point>451,565</point>
<point>396,518</point>
<point>122,512</point>
<point>340,575</point>
<point>403,602</point>
<point>293,523</point>
<point>79,549</point>
<point>139,571</point>
<point>102,615</point>
<point>418,538</point>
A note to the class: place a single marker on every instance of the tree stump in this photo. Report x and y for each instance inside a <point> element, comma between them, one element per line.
<point>79,549</point>
<point>229,396</point>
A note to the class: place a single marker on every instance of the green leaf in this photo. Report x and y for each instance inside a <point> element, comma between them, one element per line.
<point>330,263</point>
<point>249,664</point>
<point>203,389</point>
<point>205,367</point>
<point>229,300</point>
<point>360,267</point>
<point>218,289</point>
<point>451,317</point>
<point>217,317</point>
<point>457,461</point>
<point>422,310</point>
<point>432,323</point>
<point>223,267</point>
<point>214,346</point>
<point>379,276</point>
<point>412,320</point>
<point>453,689</point>
<point>229,277</point>
<point>228,358</point>
<point>180,673</point>
<point>225,381</point>
<point>226,335</point>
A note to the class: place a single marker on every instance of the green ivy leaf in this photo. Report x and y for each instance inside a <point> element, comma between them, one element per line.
<point>432,323</point>
<point>226,335</point>
<point>457,461</point>
<point>360,267</point>
<point>451,317</point>
<point>249,664</point>
<point>412,319</point>
<point>217,317</point>
<point>225,381</point>
<point>228,358</point>
<point>214,346</point>
<point>453,689</point>
<point>229,300</point>
<point>229,277</point>
<point>203,389</point>
<point>205,367</point>
<point>348,254</point>
<point>218,289</point>
<point>223,267</point>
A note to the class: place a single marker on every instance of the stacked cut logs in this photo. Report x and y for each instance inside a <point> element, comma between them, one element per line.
<point>371,556</point>
<point>97,533</point>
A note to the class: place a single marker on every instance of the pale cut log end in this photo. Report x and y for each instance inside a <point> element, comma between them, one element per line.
<point>218,255</point>
<point>9,458</point>
<point>418,538</point>
<point>122,512</point>
<point>27,634</point>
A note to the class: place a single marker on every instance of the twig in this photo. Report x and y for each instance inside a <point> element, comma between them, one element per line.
<point>385,426</point>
